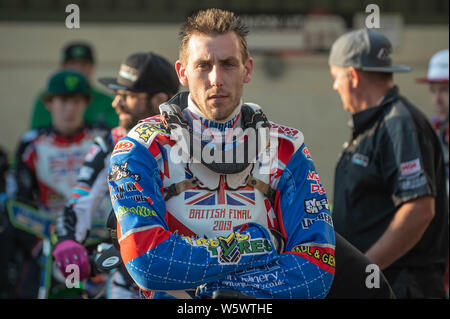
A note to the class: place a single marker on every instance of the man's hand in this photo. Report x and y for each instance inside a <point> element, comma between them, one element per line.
<point>405,230</point>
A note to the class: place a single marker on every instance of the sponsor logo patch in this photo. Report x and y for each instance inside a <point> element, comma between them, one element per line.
<point>138,210</point>
<point>360,159</point>
<point>122,147</point>
<point>146,130</point>
<point>229,250</point>
<point>316,187</point>
<point>121,171</point>
<point>306,153</point>
<point>411,167</point>
<point>285,130</point>
<point>314,205</point>
<point>325,217</point>
<point>320,256</point>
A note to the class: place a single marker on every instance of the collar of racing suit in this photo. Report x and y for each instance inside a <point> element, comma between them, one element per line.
<point>62,139</point>
<point>192,112</point>
<point>181,112</point>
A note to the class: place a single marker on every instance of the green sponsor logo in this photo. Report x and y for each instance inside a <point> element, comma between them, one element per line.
<point>229,250</point>
<point>71,82</point>
<point>138,210</point>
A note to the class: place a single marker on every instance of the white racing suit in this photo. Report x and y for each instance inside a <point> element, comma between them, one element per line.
<point>46,168</point>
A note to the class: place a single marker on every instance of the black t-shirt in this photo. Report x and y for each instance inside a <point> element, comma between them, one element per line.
<point>393,157</point>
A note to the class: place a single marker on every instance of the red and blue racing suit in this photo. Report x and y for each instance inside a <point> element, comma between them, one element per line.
<point>216,234</point>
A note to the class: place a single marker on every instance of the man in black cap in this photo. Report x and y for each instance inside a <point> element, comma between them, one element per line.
<point>145,80</point>
<point>79,56</point>
<point>389,193</point>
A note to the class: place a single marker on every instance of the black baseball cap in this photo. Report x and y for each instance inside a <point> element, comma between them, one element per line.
<point>365,50</point>
<point>78,51</point>
<point>144,72</point>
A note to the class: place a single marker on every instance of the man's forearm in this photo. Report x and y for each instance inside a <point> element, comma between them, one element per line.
<point>405,230</point>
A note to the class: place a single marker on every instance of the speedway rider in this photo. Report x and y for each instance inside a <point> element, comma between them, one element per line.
<point>210,195</point>
<point>46,167</point>
<point>144,81</point>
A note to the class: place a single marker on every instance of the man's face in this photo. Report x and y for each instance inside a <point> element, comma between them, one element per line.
<point>439,97</point>
<point>132,107</point>
<point>67,112</point>
<point>215,73</point>
<point>343,85</point>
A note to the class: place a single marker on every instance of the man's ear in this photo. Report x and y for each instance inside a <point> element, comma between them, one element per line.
<point>181,72</point>
<point>248,69</point>
<point>159,98</point>
<point>156,100</point>
<point>47,101</point>
<point>355,77</point>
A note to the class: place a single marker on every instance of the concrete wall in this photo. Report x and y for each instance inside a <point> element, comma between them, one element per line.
<point>302,97</point>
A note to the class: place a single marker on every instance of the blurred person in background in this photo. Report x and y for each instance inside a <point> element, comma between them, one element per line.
<point>390,199</point>
<point>437,80</point>
<point>137,97</point>
<point>79,56</point>
<point>46,167</point>
<point>4,287</point>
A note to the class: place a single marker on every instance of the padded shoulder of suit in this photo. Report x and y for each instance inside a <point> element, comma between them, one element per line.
<point>147,130</point>
<point>287,133</point>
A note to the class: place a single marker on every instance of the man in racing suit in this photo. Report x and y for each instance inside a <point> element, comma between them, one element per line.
<point>46,167</point>
<point>134,100</point>
<point>256,222</point>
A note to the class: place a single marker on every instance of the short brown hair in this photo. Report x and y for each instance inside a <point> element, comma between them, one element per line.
<point>213,22</point>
